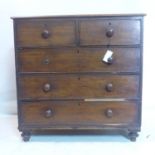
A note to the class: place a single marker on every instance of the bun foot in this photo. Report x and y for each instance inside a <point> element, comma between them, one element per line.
<point>133,135</point>
<point>26,136</point>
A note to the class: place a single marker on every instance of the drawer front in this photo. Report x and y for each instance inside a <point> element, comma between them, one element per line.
<point>83,60</point>
<point>75,114</point>
<point>123,60</point>
<point>78,86</point>
<point>48,60</point>
<point>44,32</point>
<point>113,32</point>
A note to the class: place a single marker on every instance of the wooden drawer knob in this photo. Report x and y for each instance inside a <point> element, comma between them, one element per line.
<point>45,34</point>
<point>46,61</point>
<point>48,113</point>
<point>109,113</point>
<point>110,32</point>
<point>109,87</point>
<point>46,87</point>
<point>110,60</point>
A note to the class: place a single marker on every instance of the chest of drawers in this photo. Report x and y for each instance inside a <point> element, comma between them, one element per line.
<point>79,73</point>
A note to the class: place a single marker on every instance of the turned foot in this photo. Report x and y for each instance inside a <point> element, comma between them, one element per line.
<point>133,135</point>
<point>26,136</point>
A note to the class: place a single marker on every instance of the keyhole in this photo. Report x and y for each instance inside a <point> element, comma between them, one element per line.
<point>79,104</point>
<point>45,25</point>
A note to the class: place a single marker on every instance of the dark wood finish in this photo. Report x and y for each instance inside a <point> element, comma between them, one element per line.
<point>48,113</point>
<point>124,60</point>
<point>48,60</point>
<point>47,87</point>
<point>110,60</point>
<point>26,136</point>
<point>131,15</point>
<point>77,114</point>
<point>105,32</point>
<point>78,87</point>
<point>109,31</point>
<point>109,87</point>
<point>45,32</point>
<point>109,113</point>
<point>63,82</point>
<point>75,60</point>
<point>132,135</point>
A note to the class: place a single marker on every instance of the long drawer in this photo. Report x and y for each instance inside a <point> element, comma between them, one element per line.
<point>78,114</point>
<point>78,86</point>
<point>78,60</point>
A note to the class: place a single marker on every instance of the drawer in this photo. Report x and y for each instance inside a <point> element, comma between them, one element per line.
<point>78,86</point>
<point>45,32</point>
<point>123,60</point>
<point>109,32</point>
<point>83,60</point>
<point>48,60</point>
<point>73,114</point>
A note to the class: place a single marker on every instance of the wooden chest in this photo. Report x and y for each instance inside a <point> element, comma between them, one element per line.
<point>79,73</point>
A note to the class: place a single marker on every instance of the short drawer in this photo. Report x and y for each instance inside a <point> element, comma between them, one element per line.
<point>78,86</point>
<point>78,60</point>
<point>45,32</point>
<point>73,114</point>
<point>48,60</point>
<point>109,32</point>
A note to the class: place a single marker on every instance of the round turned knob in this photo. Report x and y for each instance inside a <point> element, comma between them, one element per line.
<point>109,113</point>
<point>109,87</point>
<point>109,32</point>
<point>46,87</point>
<point>45,34</point>
<point>46,61</point>
<point>110,60</point>
<point>48,113</point>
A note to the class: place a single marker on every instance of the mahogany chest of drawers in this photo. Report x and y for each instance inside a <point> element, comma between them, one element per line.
<point>79,73</point>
